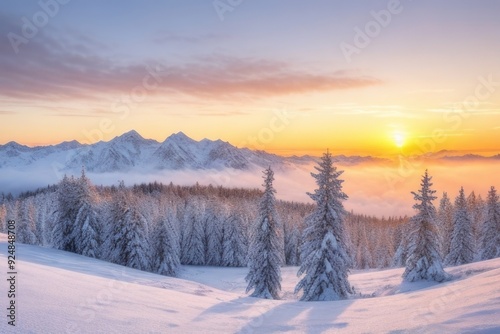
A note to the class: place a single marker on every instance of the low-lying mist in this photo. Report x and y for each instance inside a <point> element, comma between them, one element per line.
<point>373,188</point>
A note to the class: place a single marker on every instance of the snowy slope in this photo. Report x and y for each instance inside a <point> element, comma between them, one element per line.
<point>61,292</point>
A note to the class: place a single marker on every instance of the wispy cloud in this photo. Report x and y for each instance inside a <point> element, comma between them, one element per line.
<point>432,91</point>
<point>62,65</point>
<point>481,108</point>
<point>380,111</point>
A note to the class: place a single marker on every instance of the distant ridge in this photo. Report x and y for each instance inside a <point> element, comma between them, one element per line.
<point>177,152</point>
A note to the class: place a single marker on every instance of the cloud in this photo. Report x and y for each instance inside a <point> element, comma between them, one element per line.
<point>431,91</point>
<point>379,111</point>
<point>69,65</point>
<point>223,76</point>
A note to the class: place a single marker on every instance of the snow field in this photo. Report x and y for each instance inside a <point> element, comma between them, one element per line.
<point>61,292</point>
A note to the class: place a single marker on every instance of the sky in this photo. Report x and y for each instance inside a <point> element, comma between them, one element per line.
<point>291,77</point>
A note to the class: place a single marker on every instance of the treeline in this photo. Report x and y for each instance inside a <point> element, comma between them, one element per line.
<point>155,227</point>
<point>467,230</point>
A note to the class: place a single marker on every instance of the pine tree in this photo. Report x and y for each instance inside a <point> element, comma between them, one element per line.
<point>401,254</point>
<point>475,207</point>
<point>292,254</point>
<point>135,234</point>
<point>234,245</point>
<point>424,260</point>
<point>85,228</point>
<point>67,210</point>
<point>193,246</point>
<point>266,250</point>
<point>324,257</point>
<point>3,216</point>
<point>87,240</point>
<point>213,237</point>
<point>490,238</point>
<point>115,242</point>
<point>462,239</point>
<point>445,223</point>
<point>25,229</point>
<point>166,246</point>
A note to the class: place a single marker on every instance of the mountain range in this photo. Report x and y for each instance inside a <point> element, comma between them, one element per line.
<point>132,151</point>
<point>177,152</point>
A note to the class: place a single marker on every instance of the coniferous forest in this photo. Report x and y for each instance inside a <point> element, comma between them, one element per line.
<point>156,227</point>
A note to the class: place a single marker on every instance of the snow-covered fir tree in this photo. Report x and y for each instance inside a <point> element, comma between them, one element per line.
<point>266,248</point>
<point>166,247</point>
<point>115,242</point>
<point>67,210</point>
<point>475,207</point>
<point>25,229</point>
<point>424,259</point>
<point>85,232</point>
<point>445,223</point>
<point>324,257</point>
<point>43,209</point>
<point>88,237</point>
<point>292,248</point>
<point>401,253</point>
<point>135,234</point>
<point>193,246</point>
<point>213,237</point>
<point>462,239</point>
<point>490,236</point>
<point>3,216</point>
<point>234,242</point>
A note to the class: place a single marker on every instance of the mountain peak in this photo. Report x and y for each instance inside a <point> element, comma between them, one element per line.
<point>66,145</point>
<point>180,137</point>
<point>132,134</point>
<point>14,145</point>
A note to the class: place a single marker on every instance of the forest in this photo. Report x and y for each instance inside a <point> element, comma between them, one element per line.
<point>156,227</point>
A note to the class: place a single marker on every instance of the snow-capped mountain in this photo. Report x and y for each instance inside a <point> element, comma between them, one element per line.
<point>131,150</point>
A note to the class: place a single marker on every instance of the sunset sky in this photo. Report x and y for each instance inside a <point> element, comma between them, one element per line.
<point>290,77</point>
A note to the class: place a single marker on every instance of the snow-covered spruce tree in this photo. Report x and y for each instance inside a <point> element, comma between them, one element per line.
<point>462,239</point>
<point>193,247</point>
<point>115,243</point>
<point>87,242</point>
<point>213,237</point>
<point>234,243</point>
<point>166,248</point>
<point>266,248</point>
<point>401,253</point>
<point>3,215</point>
<point>324,257</point>
<point>292,254</point>
<point>85,229</point>
<point>424,261</point>
<point>445,223</point>
<point>476,207</point>
<point>490,236</point>
<point>135,235</point>
<point>67,210</point>
<point>25,229</point>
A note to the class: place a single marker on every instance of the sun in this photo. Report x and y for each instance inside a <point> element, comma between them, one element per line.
<point>399,139</point>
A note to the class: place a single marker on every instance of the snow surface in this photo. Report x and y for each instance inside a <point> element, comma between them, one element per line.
<point>60,292</point>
